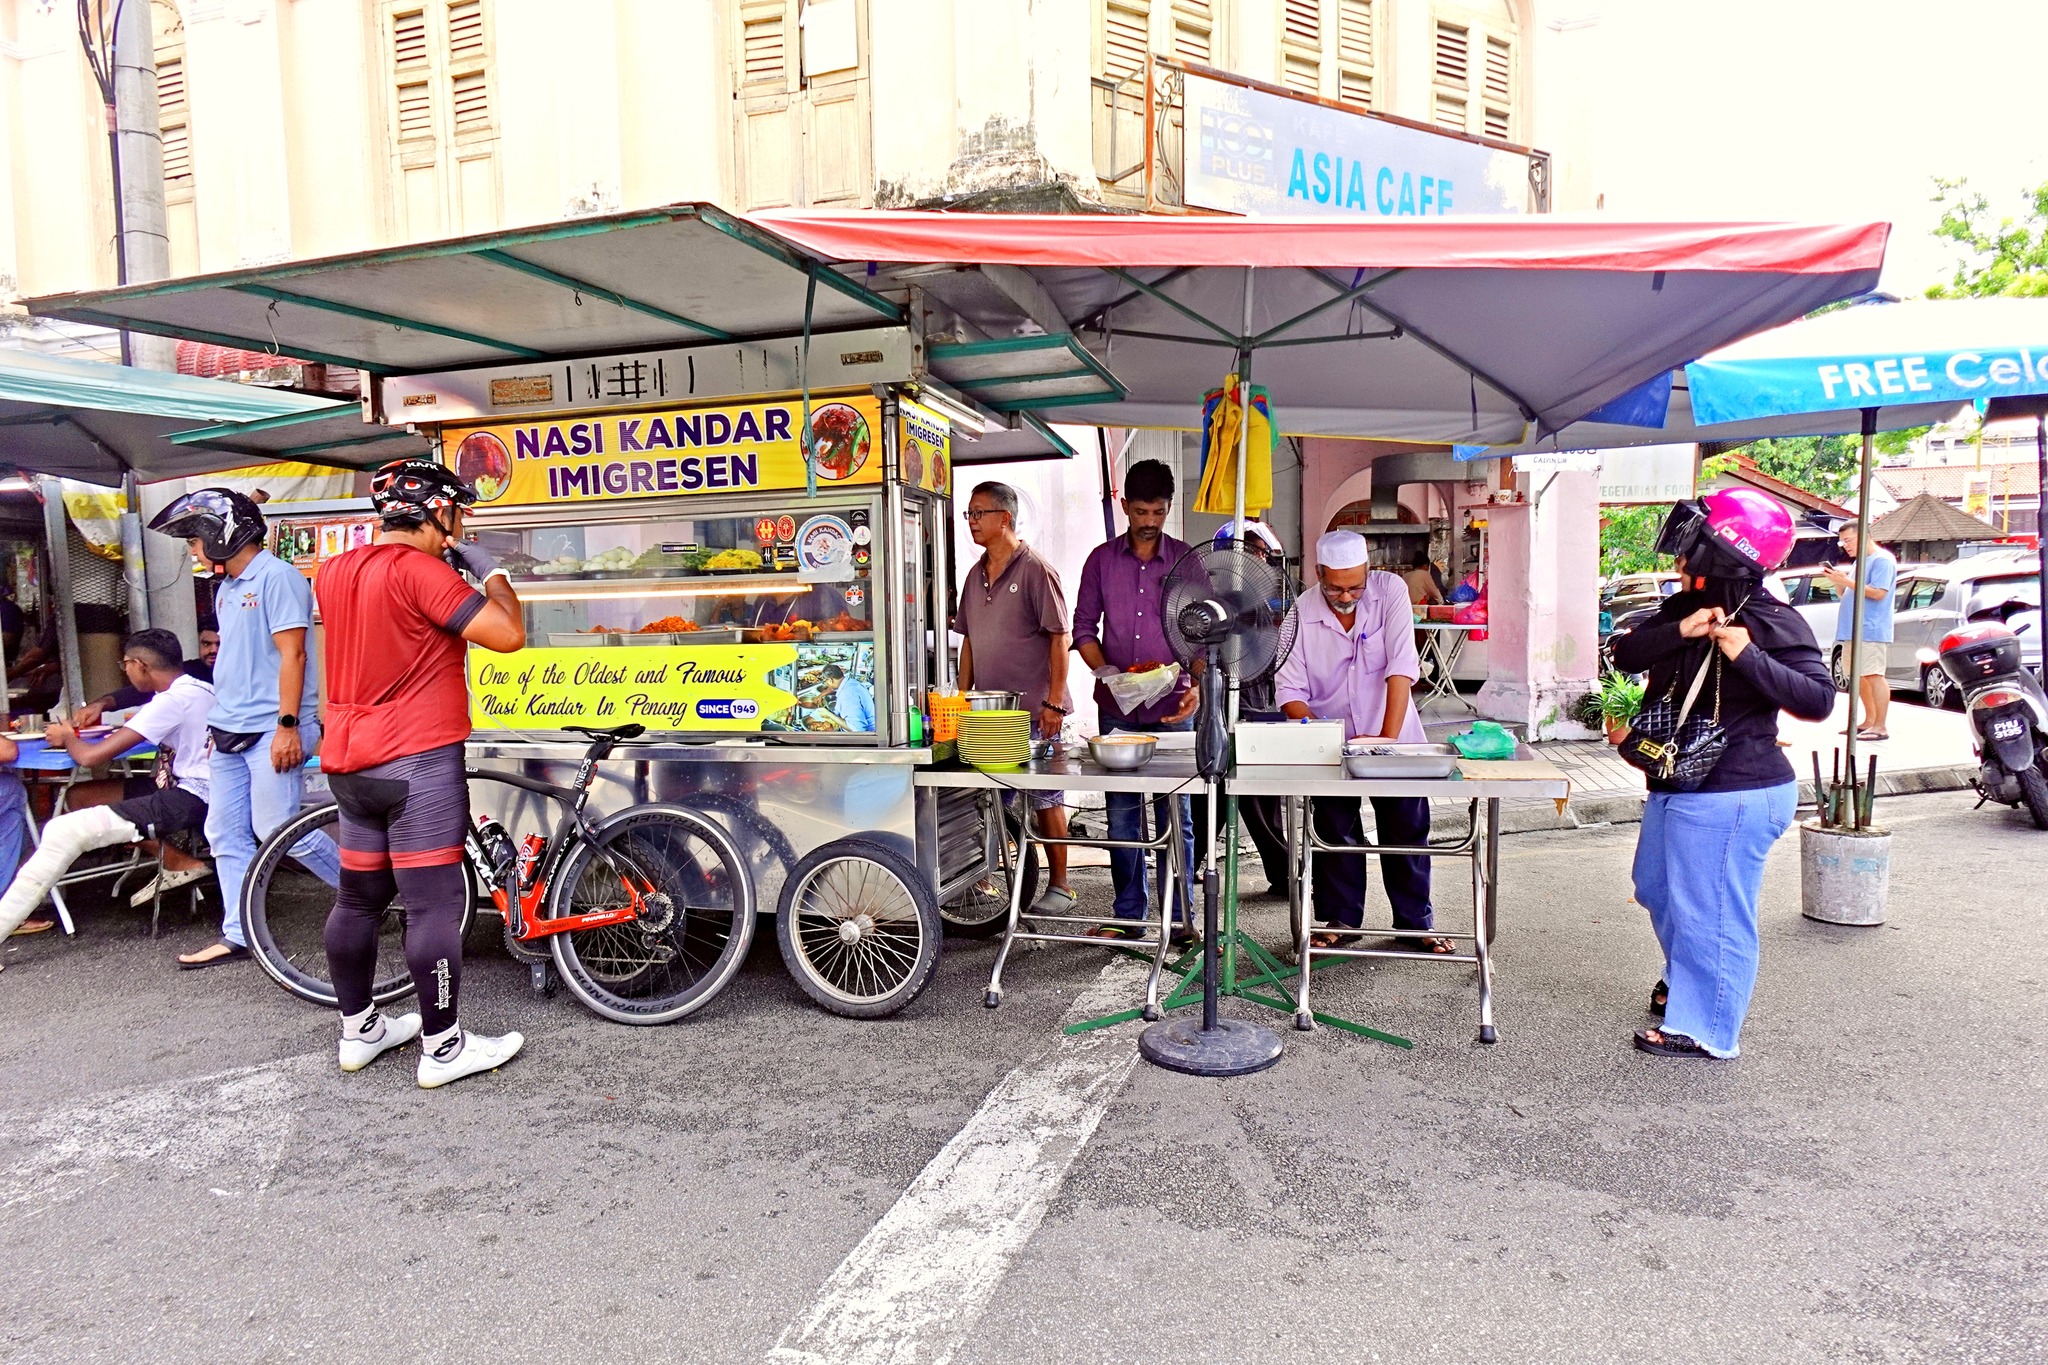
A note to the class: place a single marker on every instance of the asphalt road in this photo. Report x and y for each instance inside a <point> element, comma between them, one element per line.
<point>186,1176</point>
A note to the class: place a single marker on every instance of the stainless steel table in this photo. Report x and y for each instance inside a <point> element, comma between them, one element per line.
<point>1171,773</point>
<point>1297,785</point>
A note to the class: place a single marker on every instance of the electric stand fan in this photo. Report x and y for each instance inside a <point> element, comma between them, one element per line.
<point>1229,619</point>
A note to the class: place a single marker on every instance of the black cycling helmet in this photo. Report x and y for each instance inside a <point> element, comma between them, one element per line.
<point>220,519</point>
<point>411,491</point>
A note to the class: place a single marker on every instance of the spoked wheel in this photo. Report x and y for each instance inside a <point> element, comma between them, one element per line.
<point>859,928</point>
<point>284,916</point>
<point>1838,665</point>
<point>695,920</point>
<point>1935,688</point>
<point>983,908</point>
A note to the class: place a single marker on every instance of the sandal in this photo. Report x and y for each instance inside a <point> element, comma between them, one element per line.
<point>192,962</point>
<point>1667,1044</point>
<point>1114,931</point>
<point>1436,945</point>
<point>1871,736</point>
<point>32,926</point>
<point>1334,938</point>
<point>1660,996</point>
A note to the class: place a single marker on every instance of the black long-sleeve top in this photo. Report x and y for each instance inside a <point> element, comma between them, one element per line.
<point>1781,670</point>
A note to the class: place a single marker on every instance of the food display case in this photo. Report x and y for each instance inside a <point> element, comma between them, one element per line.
<point>774,623</point>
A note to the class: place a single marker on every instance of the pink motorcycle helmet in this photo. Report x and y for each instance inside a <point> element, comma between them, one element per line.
<point>1733,532</point>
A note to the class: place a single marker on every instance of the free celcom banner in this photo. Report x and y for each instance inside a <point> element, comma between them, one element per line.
<point>728,448</point>
<point>1252,152</point>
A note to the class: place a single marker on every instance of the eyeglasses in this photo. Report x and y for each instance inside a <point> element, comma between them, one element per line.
<point>973,515</point>
<point>1343,594</point>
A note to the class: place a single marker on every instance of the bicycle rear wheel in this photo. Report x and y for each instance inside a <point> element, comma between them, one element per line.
<point>691,935</point>
<point>284,917</point>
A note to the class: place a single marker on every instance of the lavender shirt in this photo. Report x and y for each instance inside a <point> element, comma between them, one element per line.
<point>1118,607</point>
<point>1341,674</point>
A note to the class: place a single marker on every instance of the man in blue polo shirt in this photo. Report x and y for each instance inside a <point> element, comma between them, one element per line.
<point>263,719</point>
<point>1880,576</point>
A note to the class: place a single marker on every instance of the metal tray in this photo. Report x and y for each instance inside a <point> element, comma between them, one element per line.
<point>1400,760</point>
<point>842,637</point>
<point>582,639</point>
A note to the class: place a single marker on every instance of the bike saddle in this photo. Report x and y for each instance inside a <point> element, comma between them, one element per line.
<point>614,734</point>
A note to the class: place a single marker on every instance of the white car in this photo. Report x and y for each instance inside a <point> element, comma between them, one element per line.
<point>1930,601</point>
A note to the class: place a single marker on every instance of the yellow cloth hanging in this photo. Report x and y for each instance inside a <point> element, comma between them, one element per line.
<point>1218,493</point>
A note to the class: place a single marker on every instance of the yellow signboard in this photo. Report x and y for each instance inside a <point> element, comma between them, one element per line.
<point>925,448</point>
<point>708,687</point>
<point>669,452</point>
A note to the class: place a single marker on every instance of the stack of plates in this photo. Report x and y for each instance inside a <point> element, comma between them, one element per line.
<point>995,739</point>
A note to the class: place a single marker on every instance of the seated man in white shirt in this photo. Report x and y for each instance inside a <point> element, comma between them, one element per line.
<point>173,719</point>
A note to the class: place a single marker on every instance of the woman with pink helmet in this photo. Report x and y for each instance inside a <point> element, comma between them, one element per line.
<point>1699,863</point>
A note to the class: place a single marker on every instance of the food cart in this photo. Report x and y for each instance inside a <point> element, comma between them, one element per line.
<point>678,572</point>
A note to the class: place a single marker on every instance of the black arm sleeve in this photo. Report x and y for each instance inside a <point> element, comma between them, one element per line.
<point>126,698</point>
<point>1795,678</point>
<point>1639,649</point>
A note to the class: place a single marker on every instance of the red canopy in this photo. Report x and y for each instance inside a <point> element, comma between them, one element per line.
<point>1531,243</point>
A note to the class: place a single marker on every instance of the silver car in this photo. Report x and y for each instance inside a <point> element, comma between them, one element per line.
<point>1930,601</point>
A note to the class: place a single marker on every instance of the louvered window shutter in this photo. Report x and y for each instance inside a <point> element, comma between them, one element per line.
<point>1301,46</point>
<point>1499,87</point>
<point>1453,75</point>
<point>1194,31</point>
<point>763,45</point>
<point>1126,38</point>
<point>1356,48</point>
<point>173,120</point>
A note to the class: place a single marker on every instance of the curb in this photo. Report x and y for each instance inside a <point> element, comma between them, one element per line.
<point>1593,809</point>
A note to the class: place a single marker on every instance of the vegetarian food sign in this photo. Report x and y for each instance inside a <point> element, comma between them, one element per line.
<point>729,448</point>
<point>712,687</point>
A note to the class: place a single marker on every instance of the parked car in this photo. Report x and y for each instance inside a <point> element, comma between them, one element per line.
<point>1810,594</point>
<point>1930,601</point>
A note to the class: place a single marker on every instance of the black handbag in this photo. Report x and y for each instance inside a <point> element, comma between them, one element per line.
<point>1672,744</point>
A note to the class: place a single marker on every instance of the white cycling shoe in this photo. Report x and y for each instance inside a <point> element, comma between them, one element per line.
<point>399,1029</point>
<point>477,1053</point>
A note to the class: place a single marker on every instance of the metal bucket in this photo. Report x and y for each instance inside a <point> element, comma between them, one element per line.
<point>1843,877</point>
<point>992,701</point>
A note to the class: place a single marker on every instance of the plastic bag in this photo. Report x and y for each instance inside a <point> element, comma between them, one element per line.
<point>1134,691</point>
<point>1485,739</point>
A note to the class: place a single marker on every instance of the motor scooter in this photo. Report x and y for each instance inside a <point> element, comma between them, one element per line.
<point>2006,704</point>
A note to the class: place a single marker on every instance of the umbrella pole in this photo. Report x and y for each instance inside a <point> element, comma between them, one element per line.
<point>1857,585</point>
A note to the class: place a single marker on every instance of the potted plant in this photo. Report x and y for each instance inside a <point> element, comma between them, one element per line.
<point>1616,702</point>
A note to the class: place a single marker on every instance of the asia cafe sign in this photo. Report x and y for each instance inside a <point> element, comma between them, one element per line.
<point>1255,152</point>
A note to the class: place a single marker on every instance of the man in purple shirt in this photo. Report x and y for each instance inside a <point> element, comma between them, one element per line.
<point>1118,627</point>
<point>1354,660</point>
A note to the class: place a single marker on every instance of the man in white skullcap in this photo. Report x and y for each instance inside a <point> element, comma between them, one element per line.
<point>1354,660</point>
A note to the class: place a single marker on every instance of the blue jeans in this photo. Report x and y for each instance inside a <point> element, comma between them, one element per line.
<point>248,799</point>
<point>1126,816</point>
<point>13,824</point>
<point>1699,871</point>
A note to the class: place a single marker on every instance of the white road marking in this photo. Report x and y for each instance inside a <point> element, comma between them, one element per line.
<point>234,1122</point>
<point>919,1281</point>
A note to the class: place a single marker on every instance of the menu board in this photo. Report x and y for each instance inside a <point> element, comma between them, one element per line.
<point>307,543</point>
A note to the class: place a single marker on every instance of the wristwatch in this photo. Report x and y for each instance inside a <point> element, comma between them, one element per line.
<point>287,722</point>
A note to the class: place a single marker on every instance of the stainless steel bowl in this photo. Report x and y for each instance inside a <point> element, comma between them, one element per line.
<point>993,701</point>
<point>1126,753</point>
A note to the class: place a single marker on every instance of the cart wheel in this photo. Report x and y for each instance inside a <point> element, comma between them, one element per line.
<point>983,909</point>
<point>859,928</point>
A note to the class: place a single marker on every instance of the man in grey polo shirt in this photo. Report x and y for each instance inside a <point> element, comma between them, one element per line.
<point>1013,617</point>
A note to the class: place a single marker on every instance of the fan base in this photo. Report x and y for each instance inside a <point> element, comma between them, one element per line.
<point>1232,1048</point>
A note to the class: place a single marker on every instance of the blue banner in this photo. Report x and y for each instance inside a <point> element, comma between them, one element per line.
<point>1735,390</point>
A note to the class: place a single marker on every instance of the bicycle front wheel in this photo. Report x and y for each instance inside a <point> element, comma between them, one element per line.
<point>693,927</point>
<point>284,916</point>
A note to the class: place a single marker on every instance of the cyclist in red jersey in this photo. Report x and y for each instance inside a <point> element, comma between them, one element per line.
<point>397,617</point>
